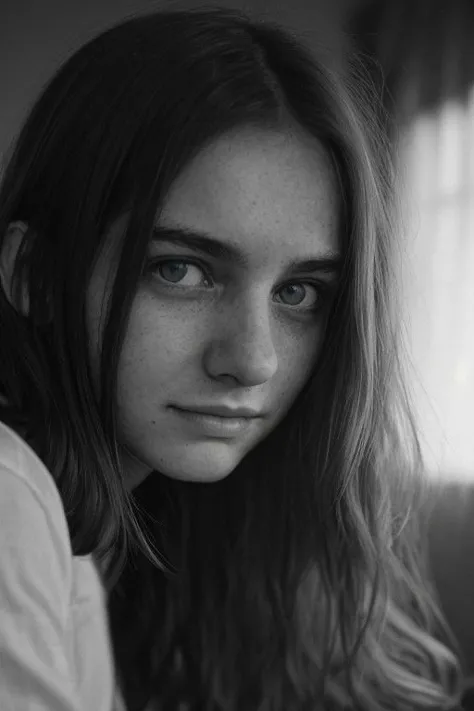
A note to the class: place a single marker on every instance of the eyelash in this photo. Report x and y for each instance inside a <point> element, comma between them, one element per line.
<point>323,289</point>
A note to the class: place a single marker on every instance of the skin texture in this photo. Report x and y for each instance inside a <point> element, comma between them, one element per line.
<point>237,338</point>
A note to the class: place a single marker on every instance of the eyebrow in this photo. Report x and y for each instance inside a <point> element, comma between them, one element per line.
<point>328,262</point>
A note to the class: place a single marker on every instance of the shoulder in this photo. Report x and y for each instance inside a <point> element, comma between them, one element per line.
<point>20,461</point>
<point>32,516</point>
<point>37,663</point>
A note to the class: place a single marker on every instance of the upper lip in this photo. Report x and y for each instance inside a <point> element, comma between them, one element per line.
<point>222,410</point>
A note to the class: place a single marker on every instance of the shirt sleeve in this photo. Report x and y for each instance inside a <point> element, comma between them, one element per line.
<point>35,584</point>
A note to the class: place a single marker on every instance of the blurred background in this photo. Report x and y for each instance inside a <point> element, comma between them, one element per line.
<point>421,55</point>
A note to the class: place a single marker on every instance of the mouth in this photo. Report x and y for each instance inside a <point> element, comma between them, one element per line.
<point>215,425</point>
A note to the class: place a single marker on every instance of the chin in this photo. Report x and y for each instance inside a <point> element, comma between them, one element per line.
<point>205,467</point>
<point>205,476</point>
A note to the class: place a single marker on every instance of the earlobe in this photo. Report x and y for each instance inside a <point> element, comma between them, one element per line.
<point>11,244</point>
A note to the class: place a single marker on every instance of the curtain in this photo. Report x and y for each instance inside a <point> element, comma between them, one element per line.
<point>424,64</point>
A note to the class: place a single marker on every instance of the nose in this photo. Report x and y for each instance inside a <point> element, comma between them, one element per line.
<point>243,346</point>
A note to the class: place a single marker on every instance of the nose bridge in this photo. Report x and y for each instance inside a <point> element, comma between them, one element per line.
<point>244,346</point>
<point>254,328</point>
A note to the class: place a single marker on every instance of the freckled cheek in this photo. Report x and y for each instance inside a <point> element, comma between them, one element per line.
<point>158,345</point>
<point>296,361</point>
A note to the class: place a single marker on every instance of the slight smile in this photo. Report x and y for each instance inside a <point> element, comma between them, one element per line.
<point>216,425</point>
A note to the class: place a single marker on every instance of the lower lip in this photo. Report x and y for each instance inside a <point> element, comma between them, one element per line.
<point>215,426</point>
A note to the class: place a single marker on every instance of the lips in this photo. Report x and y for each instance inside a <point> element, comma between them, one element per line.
<point>215,426</point>
<point>221,411</point>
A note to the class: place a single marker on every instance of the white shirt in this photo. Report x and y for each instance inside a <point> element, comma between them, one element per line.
<point>55,652</point>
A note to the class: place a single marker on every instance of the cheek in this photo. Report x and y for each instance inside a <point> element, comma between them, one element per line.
<point>159,343</point>
<point>298,358</point>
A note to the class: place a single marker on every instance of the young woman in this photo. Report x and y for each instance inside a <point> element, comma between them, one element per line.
<point>201,371</point>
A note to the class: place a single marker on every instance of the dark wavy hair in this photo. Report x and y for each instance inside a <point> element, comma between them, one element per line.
<point>297,582</point>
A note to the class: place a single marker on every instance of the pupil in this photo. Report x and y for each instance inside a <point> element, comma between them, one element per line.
<point>295,293</point>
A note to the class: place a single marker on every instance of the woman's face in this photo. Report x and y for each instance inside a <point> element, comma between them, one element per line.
<point>230,314</point>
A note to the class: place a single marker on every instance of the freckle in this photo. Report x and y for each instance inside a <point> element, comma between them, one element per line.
<point>153,422</point>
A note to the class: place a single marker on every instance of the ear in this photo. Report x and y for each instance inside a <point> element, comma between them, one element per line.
<point>12,242</point>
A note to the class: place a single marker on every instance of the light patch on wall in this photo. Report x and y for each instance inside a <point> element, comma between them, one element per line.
<point>439,168</point>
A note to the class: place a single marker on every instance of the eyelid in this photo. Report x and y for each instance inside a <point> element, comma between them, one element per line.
<point>195,261</point>
<point>324,290</point>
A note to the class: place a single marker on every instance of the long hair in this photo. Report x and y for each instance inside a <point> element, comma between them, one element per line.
<point>297,582</point>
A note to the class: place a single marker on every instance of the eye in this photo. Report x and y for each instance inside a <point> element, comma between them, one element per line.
<point>181,272</point>
<point>305,295</point>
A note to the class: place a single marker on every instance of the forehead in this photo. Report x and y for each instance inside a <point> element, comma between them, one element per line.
<point>273,194</point>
